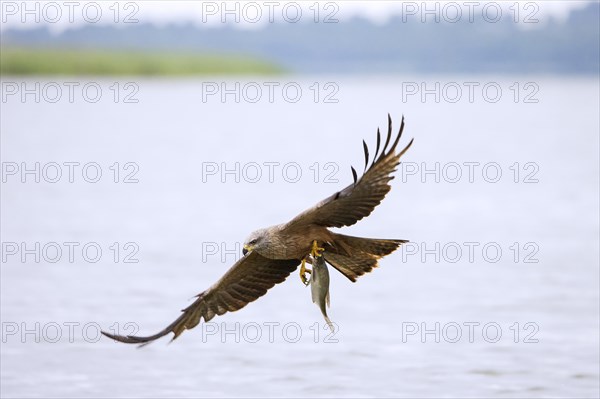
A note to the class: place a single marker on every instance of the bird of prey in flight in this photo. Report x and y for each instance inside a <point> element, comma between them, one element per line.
<point>272,253</point>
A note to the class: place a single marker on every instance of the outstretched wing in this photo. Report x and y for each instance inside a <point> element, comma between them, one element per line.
<point>247,280</point>
<point>358,200</point>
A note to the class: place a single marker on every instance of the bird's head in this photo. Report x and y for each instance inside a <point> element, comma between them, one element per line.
<point>256,241</point>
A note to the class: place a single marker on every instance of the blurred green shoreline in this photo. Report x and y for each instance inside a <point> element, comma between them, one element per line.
<point>34,61</point>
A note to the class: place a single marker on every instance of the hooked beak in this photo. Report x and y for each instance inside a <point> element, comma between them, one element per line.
<point>246,249</point>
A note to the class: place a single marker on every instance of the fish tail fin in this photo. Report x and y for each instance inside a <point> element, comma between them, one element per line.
<point>329,324</point>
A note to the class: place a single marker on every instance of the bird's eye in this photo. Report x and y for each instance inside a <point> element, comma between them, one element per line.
<point>252,242</point>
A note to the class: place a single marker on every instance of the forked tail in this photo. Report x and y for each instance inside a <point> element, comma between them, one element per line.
<point>355,256</point>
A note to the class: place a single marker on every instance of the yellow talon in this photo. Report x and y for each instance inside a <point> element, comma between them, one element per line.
<point>303,271</point>
<point>316,250</point>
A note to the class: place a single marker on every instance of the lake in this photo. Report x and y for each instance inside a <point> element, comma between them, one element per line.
<point>124,198</point>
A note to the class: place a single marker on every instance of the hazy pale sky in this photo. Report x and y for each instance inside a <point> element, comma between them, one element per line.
<point>60,15</point>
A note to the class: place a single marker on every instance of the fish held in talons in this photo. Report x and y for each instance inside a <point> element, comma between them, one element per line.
<point>319,287</point>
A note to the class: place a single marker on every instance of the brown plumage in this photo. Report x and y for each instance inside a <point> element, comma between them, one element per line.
<point>247,280</point>
<point>355,256</point>
<point>271,254</point>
